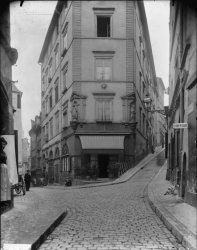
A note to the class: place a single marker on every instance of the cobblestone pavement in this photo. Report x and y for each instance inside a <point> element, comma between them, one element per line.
<point>110,218</point>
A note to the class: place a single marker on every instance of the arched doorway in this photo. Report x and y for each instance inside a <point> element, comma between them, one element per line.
<point>51,168</point>
<point>56,165</point>
<point>184,179</point>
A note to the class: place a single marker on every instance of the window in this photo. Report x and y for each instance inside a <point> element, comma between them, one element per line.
<point>43,133</point>
<point>65,115</point>
<point>50,99</point>
<point>56,91</point>
<point>47,132</point>
<point>57,123</point>
<point>46,75</point>
<point>65,164</point>
<point>43,108</point>
<point>103,26</point>
<point>51,127</point>
<point>65,70</point>
<point>144,124</point>
<point>18,101</point>
<point>65,37</point>
<point>140,118</point>
<point>47,105</point>
<point>140,47</point>
<point>104,107</point>
<point>103,69</point>
<point>56,57</point>
<point>104,110</point>
<point>43,85</point>
<point>140,83</point>
<point>50,71</point>
<point>143,87</point>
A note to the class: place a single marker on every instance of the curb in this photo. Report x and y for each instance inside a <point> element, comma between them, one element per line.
<point>48,231</point>
<point>180,232</point>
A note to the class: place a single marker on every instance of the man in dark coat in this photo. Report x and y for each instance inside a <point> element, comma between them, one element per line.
<point>27,180</point>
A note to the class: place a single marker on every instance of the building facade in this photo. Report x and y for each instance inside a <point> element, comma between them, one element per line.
<point>25,155</point>
<point>35,149</point>
<point>8,57</point>
<point>160,120</point>
<point>183,94</point>
<point>97,67</point>
<point>16,103</point>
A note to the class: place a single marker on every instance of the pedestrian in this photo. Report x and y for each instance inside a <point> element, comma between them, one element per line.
<point>5,183</point>
<point>27,180</point>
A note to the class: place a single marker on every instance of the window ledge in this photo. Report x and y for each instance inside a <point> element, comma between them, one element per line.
<point>99,121</point>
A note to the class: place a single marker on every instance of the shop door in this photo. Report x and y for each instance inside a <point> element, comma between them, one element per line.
<point>57,173</point>
<point>103,162</point>
<point>51,173</point>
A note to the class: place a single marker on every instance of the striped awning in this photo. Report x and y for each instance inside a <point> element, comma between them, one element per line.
<point>102,142</point>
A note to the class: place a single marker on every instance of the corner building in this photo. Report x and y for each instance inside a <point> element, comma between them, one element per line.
<point>97,68</point>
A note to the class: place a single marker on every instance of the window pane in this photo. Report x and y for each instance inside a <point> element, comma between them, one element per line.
<point>99,73</point>
<point>104,110</point>
<point>65,41</point>
<point>107,110</point>
<point>103,26</point>
<point>107,73</point>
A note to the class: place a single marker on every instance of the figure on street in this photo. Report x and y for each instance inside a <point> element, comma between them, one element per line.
<point>27,180</point>
<point>5,184</point>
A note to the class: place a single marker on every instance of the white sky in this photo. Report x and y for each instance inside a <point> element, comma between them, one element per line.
<point>29,25</point>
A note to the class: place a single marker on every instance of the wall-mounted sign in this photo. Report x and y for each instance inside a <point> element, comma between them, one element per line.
<point>180,125</point>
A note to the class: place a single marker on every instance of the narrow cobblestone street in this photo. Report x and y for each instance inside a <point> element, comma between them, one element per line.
<point>110,217</point>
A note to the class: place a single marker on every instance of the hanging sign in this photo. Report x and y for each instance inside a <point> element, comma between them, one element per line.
<point>180,125</point>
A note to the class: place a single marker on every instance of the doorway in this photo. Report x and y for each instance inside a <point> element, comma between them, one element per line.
<point>103,162</point>
<point>183,177</point>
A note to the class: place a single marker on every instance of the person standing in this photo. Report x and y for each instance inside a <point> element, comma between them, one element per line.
<point>27,180</point>
<point>5,184</point>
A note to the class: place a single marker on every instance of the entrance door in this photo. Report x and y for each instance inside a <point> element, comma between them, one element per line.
<point>56,173</point>
<point>103,162</point>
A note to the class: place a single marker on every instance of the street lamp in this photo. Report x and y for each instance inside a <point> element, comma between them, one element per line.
<point>148,105</point>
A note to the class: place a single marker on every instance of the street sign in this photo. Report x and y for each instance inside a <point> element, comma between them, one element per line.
<point>180,125</point>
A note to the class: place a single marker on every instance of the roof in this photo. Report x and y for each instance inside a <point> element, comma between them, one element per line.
<point>52,25</point>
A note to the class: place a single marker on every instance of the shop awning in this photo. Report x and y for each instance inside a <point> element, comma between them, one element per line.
<point>102,142</point>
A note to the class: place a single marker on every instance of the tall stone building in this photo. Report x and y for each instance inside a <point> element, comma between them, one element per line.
<point>182,99</point>
<point>16,103</point>
<point>25,155</point>
<point>35,149</point>
<point>8,57</point>
<point>97,67</point>
<point>160,120</point>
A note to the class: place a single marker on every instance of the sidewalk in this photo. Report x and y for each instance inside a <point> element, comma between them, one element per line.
<point>179,217</point>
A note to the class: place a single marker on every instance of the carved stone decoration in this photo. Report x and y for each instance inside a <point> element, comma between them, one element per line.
<point>13,55</point>
<point>74,111</point>
<point>104,86</point>
<point>132,109</point>
<point>77,106</point>
<point>129,107</point>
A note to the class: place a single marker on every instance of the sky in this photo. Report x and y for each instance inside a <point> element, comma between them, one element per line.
<point>29,25</point>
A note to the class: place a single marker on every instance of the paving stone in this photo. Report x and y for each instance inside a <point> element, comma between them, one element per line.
<point>111,217</point>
